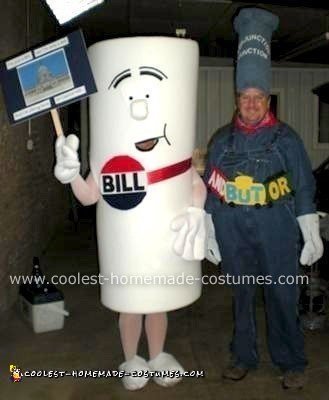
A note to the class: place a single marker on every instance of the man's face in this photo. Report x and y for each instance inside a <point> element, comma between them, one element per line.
<point>253,105</point>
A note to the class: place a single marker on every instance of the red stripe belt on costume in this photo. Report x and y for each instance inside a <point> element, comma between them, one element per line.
<point>164,173</point>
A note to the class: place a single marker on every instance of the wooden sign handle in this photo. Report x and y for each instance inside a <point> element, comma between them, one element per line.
<point>57,122</point>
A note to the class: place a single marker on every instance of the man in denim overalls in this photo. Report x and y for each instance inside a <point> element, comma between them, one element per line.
<point>261,191</point>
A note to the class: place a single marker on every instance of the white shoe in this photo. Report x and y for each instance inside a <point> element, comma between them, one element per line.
<point>166,363</point>
<point>135,365</point>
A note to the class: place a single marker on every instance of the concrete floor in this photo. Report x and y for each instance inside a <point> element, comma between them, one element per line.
<point>198,336</point>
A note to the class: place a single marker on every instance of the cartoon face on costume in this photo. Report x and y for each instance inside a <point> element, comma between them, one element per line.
<point>142,95</point>
<point>146,94</point>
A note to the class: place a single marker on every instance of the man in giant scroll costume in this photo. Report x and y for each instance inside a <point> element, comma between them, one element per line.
<point>261,191</point>
<point>150,218</point>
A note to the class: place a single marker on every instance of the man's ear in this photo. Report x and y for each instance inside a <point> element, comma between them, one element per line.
<point>268,102</point>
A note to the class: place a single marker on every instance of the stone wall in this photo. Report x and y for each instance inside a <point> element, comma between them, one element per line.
<point>32,203</point>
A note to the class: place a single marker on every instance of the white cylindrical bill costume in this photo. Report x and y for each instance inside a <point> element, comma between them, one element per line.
<point>142,136</point>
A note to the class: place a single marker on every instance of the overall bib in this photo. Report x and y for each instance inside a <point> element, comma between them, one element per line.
<point>259,241</point>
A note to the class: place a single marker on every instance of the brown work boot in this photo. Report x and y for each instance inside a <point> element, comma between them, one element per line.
<point>234,373</point>
<point>293,380</point>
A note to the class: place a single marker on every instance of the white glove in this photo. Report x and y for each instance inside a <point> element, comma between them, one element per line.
<point>212,249</point>
<point>190,241</point>
<point>67,166</point>
<point>313,246</point>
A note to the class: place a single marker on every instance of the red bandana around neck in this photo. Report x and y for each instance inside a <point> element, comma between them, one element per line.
<point>267,121</point>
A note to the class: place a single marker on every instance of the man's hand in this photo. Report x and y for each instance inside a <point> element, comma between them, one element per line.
<point>191,234</point>
<point>67,166</point>
<point>212,249</point>
<point>313,246</point>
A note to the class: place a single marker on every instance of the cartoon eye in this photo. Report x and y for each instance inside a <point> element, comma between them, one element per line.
<point>147,96</point>
<point>130,97</point>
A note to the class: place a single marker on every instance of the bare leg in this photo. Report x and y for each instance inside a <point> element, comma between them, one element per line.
<point>156,331</point>
<point>130,326</point>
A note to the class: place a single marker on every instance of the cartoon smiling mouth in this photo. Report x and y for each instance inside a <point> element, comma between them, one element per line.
<point>149,144</point>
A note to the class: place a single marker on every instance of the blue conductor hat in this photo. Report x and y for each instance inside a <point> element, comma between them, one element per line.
<point>253,69</point>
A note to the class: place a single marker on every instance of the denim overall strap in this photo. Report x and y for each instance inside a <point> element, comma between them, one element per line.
<point>230,148</point>
<point>273,146</point>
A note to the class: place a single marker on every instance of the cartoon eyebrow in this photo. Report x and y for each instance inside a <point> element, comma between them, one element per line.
<point>120,77</point>
<point>145,70</point>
